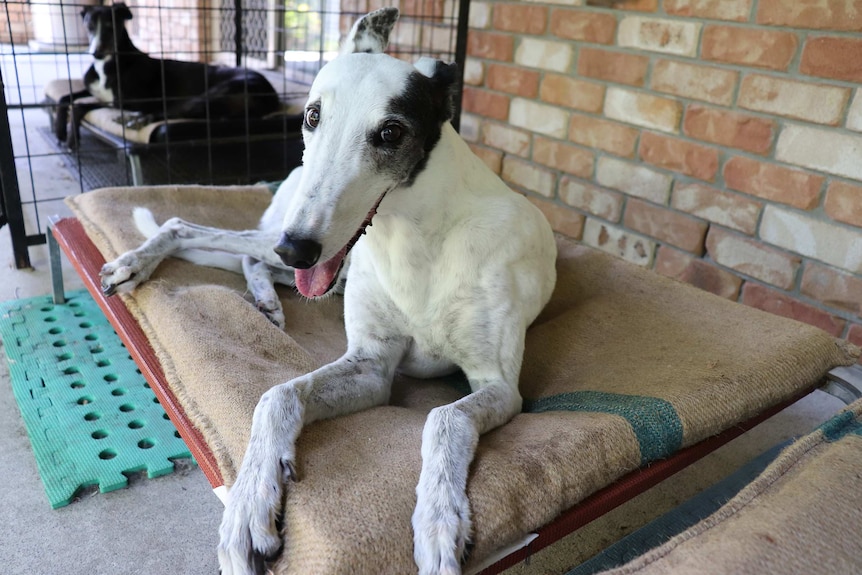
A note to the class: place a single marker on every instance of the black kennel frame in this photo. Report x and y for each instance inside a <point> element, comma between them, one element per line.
<point>241,41</point>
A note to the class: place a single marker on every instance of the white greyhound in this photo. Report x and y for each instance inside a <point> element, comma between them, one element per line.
<point>454,269</point>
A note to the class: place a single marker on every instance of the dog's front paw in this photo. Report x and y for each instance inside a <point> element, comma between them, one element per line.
<point>123,274</point>
<point>248,534</point>
<point>441,530</point>
<point>139,122</point>
<point>272,311</point>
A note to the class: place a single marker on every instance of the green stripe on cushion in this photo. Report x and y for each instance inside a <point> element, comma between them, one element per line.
<point>655,422</point>
<point>841,425</point>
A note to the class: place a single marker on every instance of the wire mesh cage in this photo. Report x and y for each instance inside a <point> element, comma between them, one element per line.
<point>60,135</point>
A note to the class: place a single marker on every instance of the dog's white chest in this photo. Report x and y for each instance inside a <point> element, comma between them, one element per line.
<point>100,89</point>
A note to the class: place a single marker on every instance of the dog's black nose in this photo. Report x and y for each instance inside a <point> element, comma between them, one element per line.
<point>298,253</point>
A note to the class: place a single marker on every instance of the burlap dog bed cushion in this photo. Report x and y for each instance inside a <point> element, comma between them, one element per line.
<point>801,516</point>
<point>623,367</point>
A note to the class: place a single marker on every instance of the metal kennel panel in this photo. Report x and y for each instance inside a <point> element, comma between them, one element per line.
<point>43,55</point>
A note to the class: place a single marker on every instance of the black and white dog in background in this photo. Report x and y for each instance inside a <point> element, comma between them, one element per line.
<point>454,269</point>
<point>124,77</point>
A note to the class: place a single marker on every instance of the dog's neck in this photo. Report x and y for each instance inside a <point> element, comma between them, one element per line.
<point>444,192</point>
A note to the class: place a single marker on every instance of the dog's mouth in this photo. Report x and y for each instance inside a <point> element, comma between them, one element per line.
<point>319,279</point>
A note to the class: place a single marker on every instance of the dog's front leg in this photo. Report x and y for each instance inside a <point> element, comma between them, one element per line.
<point>133,267</point>
<point>441,521</point>
<point>359,380</point>
<point>261,283</point>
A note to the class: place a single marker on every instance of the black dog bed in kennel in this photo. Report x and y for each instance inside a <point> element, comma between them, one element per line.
<point>187,151</point>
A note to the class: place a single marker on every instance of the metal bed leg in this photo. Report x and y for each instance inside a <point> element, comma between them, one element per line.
<point>136,168</point>
<point>56,267</point>
<point>845,383</point>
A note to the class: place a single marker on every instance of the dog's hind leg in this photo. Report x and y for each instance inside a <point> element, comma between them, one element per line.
<point>359,380</point>
<point>261,279</point>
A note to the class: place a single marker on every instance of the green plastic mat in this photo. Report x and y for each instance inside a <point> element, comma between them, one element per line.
<point>91,416</point>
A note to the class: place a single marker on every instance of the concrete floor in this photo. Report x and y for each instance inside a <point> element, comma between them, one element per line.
<point>169,524</point>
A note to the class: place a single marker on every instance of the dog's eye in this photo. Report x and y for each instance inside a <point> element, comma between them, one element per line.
<point>312,118</point>
<point>391,133</point>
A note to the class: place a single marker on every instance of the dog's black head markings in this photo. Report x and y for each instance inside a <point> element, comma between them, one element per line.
<point>371,123</point>
<point>106,28</point>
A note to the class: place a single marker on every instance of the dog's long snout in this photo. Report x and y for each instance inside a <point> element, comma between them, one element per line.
<point>298,253</point>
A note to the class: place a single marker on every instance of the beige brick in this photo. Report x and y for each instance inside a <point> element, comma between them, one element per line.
<point>633,179</point>
<point>833,288</point>
<point>539,118</point>
<point>474,72</point>
<point>658,35</point>
<point>854,115</point>
<point>470,127</point>
<point>820,240</point>
<point>666,225</point>
<point>643,110</point>
<point>505,138</point>
<point>605,204</point>
<point>801,100</point>
<point>544,54</point>
<point>619,242</point>
<point>706,83</point>
<point>752,258</point>
<point>480,15</point>
<point>821,149</point>
<point>526,175</point>
<point>565,157</point>
<point>723,208</point>
<point>736,10</point>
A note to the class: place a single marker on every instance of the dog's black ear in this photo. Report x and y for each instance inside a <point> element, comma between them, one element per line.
<point>122,11</point>
<point>444,82</point>
<point>85,10</point>
<point>371,32</point>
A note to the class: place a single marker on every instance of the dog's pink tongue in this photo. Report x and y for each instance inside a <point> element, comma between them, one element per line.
<point>316,281</point>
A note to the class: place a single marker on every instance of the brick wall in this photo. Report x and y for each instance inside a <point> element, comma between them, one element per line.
<point>15,22</point>
<point>715,141</point>
<point>174,29</point>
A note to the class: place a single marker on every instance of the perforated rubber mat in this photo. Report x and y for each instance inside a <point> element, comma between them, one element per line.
<point>91,417</point>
